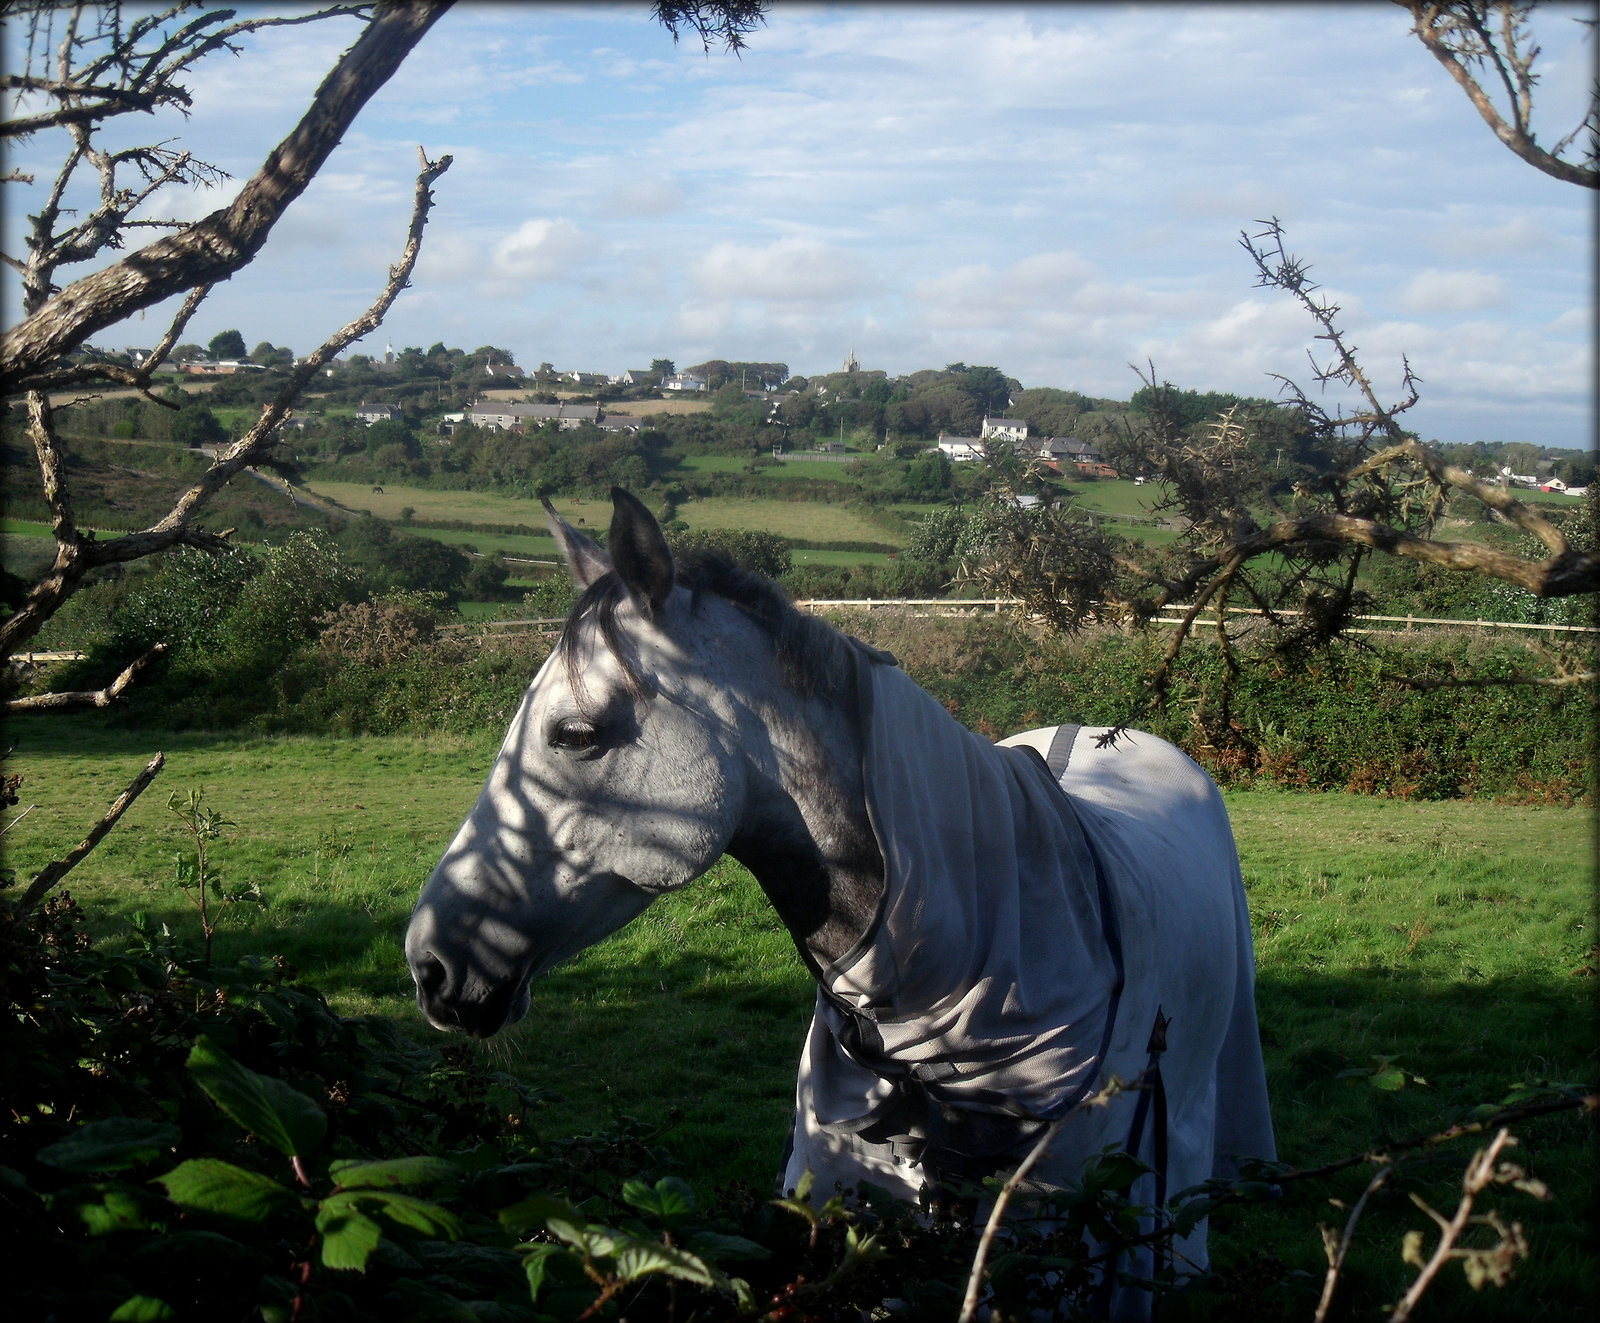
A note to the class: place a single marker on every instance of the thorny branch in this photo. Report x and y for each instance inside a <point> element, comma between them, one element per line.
<point>1337,1249</point>
<point>1481,45</point>
<point>1492,1264</point>
<point>969,1304</point>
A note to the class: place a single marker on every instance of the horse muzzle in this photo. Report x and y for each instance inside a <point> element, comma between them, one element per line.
<point>469,1005</point>
<point>476,987</point>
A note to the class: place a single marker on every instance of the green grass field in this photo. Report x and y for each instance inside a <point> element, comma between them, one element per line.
<point>799,468</point>
<point>455,507</point>
<point>531,546</point>
<point>815,521</point>
<point>1454,937</point>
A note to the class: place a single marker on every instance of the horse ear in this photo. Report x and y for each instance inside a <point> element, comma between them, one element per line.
<point>639,552</point>
<point>586,559</point>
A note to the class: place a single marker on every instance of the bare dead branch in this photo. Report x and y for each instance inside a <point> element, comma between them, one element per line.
<point>247,449</point>
<point>54,872</point>
<point>1337,1251</point>
<point>151,82</point>
<point>78,699</point>
<point>225,241</point>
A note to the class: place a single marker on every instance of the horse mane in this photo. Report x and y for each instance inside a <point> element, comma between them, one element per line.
<point>813,658</point>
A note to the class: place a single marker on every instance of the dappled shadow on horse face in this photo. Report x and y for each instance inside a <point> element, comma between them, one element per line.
<point>609,790</point>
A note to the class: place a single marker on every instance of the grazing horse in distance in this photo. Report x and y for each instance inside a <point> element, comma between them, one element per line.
<point>995,931</point>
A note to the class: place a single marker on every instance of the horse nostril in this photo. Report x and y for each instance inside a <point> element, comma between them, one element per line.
<point>429,972</point>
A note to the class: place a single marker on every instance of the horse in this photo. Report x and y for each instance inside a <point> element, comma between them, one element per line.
<point>995,931</point>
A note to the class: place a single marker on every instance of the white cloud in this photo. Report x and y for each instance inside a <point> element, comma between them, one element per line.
<point>1433,290</point>
<point>788,270</point>
<point>1053,189</point>
<point>538,249</point>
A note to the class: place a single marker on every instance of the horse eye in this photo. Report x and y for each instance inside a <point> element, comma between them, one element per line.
<point>571,733</point>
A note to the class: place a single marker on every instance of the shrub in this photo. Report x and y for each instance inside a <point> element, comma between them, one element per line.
<point>372,634</point>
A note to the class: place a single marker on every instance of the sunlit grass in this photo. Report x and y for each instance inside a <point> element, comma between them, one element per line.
<point>1452,936</point>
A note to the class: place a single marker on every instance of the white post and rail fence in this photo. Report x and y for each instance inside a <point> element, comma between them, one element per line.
<point>959,607</point>
<point>974,606</point>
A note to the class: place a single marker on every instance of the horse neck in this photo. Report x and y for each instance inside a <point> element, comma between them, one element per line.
<point>806,836</point>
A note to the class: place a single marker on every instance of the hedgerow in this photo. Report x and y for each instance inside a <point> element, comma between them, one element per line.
<point>187,1142</point>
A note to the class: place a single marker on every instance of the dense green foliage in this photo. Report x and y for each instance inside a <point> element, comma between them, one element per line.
<point>1329,723</point>
<point>185,1143</point>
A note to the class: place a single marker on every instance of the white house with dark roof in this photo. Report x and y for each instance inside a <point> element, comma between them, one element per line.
<point>1005,429</point>
<point>962,449</point>
<point>683,381</point>
<point>619,422</point>
<point>377,413</point>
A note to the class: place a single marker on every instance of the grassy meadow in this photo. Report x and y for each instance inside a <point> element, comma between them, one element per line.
<point>1454,937</point>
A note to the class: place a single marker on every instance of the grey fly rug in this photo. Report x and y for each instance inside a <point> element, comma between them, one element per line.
<point>1026,942</point>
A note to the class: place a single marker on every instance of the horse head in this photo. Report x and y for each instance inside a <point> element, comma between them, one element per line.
<point>641,750</point>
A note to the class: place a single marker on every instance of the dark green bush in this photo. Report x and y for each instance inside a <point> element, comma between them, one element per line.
<point>1330,723</point>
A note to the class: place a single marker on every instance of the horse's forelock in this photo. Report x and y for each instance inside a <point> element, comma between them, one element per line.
<point>812,656</point>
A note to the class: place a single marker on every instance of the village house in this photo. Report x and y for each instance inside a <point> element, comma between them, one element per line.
<point>505,372</point>
<point>683,381</point>
<point>205,367</point>
<point>617,422</point>
<point>500,416</point>
<point>377,413</point>
<point>1062,450</point>
<point>636,377</point>
<point>1005,429</point>
<point>961,449</point>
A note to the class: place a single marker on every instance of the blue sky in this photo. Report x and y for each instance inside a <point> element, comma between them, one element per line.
<point>1055,190</point>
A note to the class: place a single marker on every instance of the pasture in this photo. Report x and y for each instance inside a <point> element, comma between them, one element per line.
<point>1452,937</point>
<point>387,501</point>
<point>812,520</point>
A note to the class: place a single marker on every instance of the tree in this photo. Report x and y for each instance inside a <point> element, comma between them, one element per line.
<point>111,65</point>
<point>227,344</point>
<point>1288,539</point>
<point>928,475</point>
<point>195,425</point>
<point>269,355</point>
<point>663,367</point>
